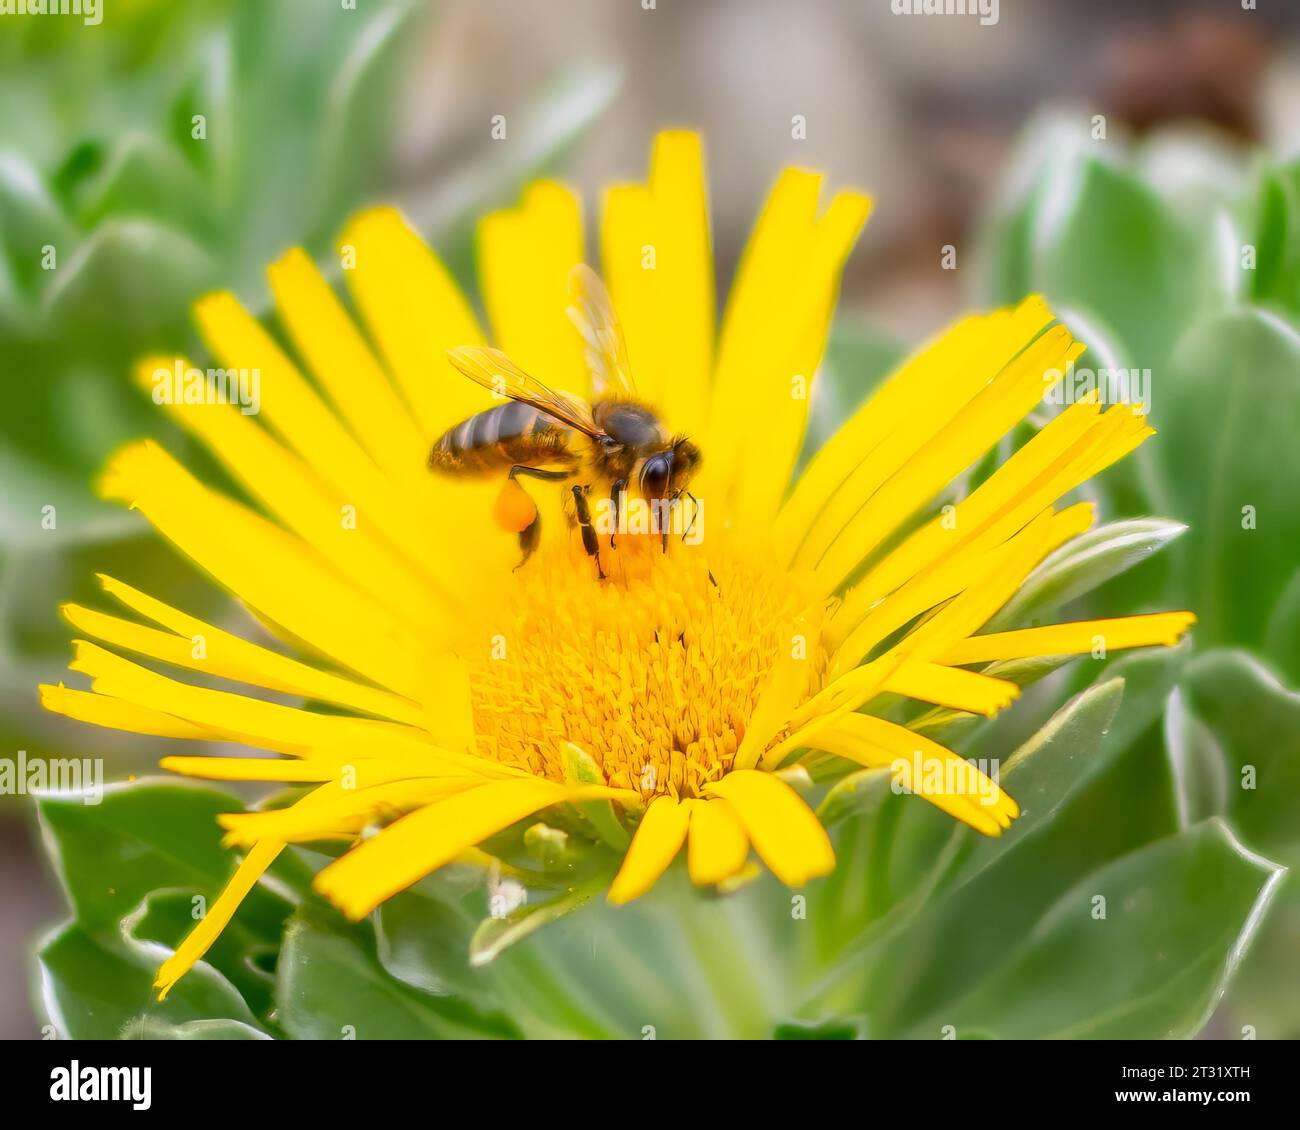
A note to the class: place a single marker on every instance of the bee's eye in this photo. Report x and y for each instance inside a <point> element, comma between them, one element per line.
<point>655,475</point>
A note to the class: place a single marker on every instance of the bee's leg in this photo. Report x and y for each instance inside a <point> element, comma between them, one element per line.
<point>538,473</point>
<point>529,536</point>
<point>589,540</point>
<point>695,513</point>
<point>619,486</point>
<point>516,511</point>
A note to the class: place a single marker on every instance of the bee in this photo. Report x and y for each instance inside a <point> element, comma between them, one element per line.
<point>613,445</point>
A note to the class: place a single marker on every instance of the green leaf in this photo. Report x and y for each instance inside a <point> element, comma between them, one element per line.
<point>423,935</point>
<point>1149,676</point>
<point>1082,564</point>
<point>99,986</point>
<point>1282,637</point>
<point>1256,720</point>
<point>79,518</point>
<point>871,829</point>
<point>495,935</point>
<point>1109,799</point>
<point>1231,470</point>
<point>1068,751</point>
<point>1105,246</point>
<point>145,836</point>
<point>832,1030</point>
<point>353,136</point>
<point>1252,720</point>
<point>1043,771</point>
<point>1178,916</point>
<point>858,794</point>
<point>1277,237</point>
<point>151,1028</point>
<point>128,277</point>
<point>329,986</point>
<point>253,936</point>
<point>1197,763</point>
<point>30,219</point>
<point>144,176</point>
<point>580,768</point>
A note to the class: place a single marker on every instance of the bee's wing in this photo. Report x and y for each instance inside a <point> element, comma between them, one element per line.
<point>496,372</point>
<point>606,352</point>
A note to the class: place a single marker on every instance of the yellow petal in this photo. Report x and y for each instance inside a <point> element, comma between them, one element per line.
<point>657,841</point>
<point>658,264</point>
<point>773,335</point>
<point>769,462</point>
<point>994,511</point>
<point>268,568</point>
<point>779,824</point>
<point>718,846</point>
<point>415,313</point>
<point>269,725</point>
<point>209,649</point>
<point>683,275</point>
<point>341,525</point>
<point>298,415</point>
<point>328,341</point>
<point>1002,577</point>
<point>1158,629</point>
<point>952,687</point>
<point>887,430</point>
<point>334,810</point>
<point>975,799</point>
<point>196,944</point>
<point>525,256</point>
<point>100,710</point>
<point>786,688</point>
<point>765,282</point>
<point>286,770</point>
<point>983,580</point>
<point>419,843</point>
<point>859,520</point>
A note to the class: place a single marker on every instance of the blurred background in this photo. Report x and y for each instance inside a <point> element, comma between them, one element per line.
<point>1134,162</point>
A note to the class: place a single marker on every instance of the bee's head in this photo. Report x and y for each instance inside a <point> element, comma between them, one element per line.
<point>686,461</point>
<point>666,473</point>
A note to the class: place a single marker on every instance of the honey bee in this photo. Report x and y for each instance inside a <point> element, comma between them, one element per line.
<point>614,445</point>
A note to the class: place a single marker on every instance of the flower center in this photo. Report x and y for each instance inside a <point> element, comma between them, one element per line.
<point>655,672</point>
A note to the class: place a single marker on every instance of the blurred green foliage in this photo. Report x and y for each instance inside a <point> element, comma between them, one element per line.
<point>1181,254</point>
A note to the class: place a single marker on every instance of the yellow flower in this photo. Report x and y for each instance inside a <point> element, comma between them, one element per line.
<point>447,696</point>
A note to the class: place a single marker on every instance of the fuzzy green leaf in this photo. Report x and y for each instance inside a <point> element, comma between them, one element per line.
<point>329,986</point>
<point>1177,917</point>
<point>99,986</point>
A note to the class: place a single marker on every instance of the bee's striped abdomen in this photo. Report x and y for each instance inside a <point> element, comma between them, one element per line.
<point>500,437</point>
